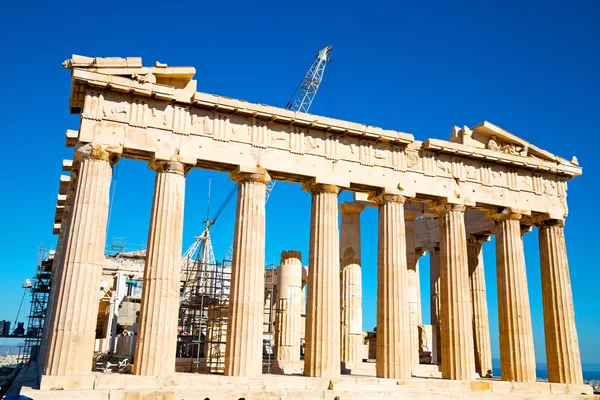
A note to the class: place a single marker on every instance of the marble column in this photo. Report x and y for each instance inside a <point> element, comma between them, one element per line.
<point>481,328</point>
<point>562,346</point>
<point>351,284</point>
<point>413,289</point>
<point>243,354</point>
<point>58,256</point>
<point>434,305</point>
<point>394,343</point>
<point>288,307</point>
<point>517,358</point>
<point>157,332</point>
<point>72,331</point>
<point>322,355</point>
<point>456,329</point>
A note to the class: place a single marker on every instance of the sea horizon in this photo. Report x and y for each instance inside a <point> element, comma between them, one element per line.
<point>591,371</point>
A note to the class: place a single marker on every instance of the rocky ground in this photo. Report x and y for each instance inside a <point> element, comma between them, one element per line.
<point>595,383</point>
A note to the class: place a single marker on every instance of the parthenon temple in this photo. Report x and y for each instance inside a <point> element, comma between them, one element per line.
<point>444,197</point>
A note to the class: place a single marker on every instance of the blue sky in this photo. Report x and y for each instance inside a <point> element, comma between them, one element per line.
<point>529,67</point>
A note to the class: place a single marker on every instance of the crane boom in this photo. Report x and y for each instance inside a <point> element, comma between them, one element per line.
<point>307,90</point>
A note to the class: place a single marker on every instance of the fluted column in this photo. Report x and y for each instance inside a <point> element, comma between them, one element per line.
<point>413,289</point>
<point>72,329</point>
<point>455,301</point>
<point>288,307</point>
<point>517,358</point>
<point>58,256</point>
<point>562,345</point>
<point>434,305</point>
<point>394,343</point>
<point>157,332</point>
<point>322,356</point>
<point>351,284</point>
<point>243,354</point>
<point>481,328</point>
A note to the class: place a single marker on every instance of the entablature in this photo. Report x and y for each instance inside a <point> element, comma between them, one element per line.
<point>139,119</point>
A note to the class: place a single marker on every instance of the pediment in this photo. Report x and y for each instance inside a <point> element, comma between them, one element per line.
<point>491,137</point>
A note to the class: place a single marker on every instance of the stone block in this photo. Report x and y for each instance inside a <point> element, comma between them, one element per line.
<point>277,382</point>
<point>234,382</point>
<point>140,382</point>
<point>197,381</point>
<point>109,381</point>
<point>321,383</point>
<point>177,381</point>
<point>412,384</point>
<point>580,389</point>
<point>481,386</point>
<point>48,382</point>
<point>149,395</point>
<point>501,386</point>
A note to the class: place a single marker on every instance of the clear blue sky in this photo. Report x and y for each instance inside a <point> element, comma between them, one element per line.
<point>529,67</point>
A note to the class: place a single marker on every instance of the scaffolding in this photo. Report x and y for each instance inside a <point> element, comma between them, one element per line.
<point>203,314</point>
<point>202,329</point>
<point>40,291</point>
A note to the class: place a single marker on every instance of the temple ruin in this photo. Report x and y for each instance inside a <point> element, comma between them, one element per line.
<point>443,197</point>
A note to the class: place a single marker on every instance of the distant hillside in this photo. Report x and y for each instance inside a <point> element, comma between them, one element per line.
<point>10,349</point>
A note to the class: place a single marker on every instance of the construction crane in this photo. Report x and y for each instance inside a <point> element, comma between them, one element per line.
<point>307,90</point>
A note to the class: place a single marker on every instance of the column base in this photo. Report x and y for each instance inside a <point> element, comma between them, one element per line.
<point>287,367</point>
<point>218,387</point>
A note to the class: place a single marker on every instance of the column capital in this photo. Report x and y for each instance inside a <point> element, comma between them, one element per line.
<point>169,167</point>
<point>505,214</point>
<point>291,257</point>
<point>351,207</point>
<point>94,151</point>
<point>315,187</point>
<point>384,196</point>
<point>550,223</point>
<point>478,238</point>
<point>443,207</point>
<point>252,174</point>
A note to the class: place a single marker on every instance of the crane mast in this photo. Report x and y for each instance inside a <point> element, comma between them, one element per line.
<point>307,90</point>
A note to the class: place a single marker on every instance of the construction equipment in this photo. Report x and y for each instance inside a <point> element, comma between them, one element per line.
<point>201,251</point>
<point>307,90</point>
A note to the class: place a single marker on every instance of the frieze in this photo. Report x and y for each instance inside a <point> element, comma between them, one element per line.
<point>512,178</point>
<point>331,146</point>
<point>398,159</point>
<point>181,120</point>
<point>221,129</point>
<point>413,160</point>
<point>138,113</point>
<point>297,140</point>
<point>116,111</point>
<point>259,132</point>
<point>366,153</point>
<point>429,167</point>
<point>93,106</point>
<point>381,157</point>
<point>471,170</point>
<point>278,137</point>
<point>311,143</point>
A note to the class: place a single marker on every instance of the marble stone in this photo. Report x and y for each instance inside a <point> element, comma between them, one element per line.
<point>322,355</point>
<point>157,332</point>
<point>243,353</point>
